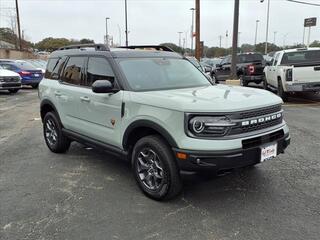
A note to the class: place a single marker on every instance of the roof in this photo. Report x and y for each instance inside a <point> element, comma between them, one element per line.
<point>300,49</point>
<point>115,52</point>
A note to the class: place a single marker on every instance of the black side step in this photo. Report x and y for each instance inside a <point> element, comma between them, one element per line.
<point>95,144</point>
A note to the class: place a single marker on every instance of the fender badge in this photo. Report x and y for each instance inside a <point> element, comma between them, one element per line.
<point>113,121</point>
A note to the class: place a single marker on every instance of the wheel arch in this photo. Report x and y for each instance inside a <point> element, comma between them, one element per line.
<point>47,106</point>
<point>141,128</point>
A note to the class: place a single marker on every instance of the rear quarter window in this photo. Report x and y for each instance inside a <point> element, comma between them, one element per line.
<point>54,67</point>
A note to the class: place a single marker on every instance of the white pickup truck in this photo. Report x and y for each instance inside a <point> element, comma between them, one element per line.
<point>293,70</point>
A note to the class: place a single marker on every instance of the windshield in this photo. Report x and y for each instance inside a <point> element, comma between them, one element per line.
<point>195,62</point>
<point>247,58</point>
<point>146,74</point>
<point>310,56</point>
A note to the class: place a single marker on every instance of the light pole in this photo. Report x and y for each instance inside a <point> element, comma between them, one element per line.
<point>235,40</point>
<point>274,37</point>
<point>192,9</point>
<point>267,28</point>
<point>180,38</point>
<point>107,36</point>
<point>126,21</point>
<point>256,34</point>
<point>119,29</point>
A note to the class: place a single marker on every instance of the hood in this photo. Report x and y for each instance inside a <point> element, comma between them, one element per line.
<point>8,73</point>
<point>217,98</point>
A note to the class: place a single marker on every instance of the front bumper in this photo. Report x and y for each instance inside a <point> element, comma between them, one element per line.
<point>248,155</point>
<point>9,85</point>
<point>257,78</point>
<point>303,87</point>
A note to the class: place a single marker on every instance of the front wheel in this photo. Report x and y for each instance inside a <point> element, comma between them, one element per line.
<point>52,132</point>
<point>155,169</point>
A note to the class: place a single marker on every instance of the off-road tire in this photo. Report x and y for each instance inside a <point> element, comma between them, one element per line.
<point>62,143</point>
<point>171,184</point>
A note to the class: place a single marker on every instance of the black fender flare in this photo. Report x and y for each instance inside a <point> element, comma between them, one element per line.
<point>48,102</point>
<point>148,124</point>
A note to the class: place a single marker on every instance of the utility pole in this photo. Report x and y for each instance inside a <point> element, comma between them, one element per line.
<point>107,36</point>
<point>191,34</point>
<point>256,34</point>
<point>18,22</point>
<point>126,21</point>
<point>198,51</point>
<point>235,40</point>
<point>220,38</point>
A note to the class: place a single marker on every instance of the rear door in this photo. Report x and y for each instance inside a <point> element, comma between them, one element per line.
<point>100,113</point>
<point>68,94</point>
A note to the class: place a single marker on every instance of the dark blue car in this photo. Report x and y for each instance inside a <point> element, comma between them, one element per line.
<point>28,73</point>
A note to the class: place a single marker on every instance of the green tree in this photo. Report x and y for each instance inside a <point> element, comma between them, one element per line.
<point>271,47</point>
<point>315,43</point>
<point>8,35</point>
<point>50,44</point>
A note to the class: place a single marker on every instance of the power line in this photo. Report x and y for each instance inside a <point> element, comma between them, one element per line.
<point>306,3</point>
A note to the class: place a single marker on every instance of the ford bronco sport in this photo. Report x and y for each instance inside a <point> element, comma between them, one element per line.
<point>156,109</point>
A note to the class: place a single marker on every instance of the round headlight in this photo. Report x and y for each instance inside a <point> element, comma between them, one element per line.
<point>197,126</point>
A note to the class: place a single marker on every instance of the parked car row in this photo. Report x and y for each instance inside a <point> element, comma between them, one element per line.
<point>286,71</point>
<point>15,73</point>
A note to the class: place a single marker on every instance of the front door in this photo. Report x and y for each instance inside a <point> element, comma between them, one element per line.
<point>100,113</point>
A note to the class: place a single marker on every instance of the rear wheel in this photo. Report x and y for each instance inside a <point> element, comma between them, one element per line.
<point>13,90</point>
<point>281,92</point>
<point>155,169</point>
<point>35,86</point>
<point>52,132</point>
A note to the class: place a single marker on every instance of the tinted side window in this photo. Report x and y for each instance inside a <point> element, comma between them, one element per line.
<point>8,67</point>
<point>52,62</point>
<point>73,71</point>
<point>54,67</point>
<point>99,69</point>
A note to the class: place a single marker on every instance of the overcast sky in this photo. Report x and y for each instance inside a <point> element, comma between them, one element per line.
<point>158,21</point>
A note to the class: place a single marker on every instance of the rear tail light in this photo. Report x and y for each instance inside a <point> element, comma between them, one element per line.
<point>289,75</point>
<point>251,69</point>
<point>24,73</point>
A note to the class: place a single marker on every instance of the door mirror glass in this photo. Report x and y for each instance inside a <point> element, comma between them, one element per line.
<point>103,86</point>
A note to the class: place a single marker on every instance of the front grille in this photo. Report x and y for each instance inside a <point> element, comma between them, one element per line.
<point>259,112</point>
<point>255,114</point>
<point>9,79</point>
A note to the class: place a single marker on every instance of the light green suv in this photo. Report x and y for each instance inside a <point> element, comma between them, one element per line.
<point>156,109</point>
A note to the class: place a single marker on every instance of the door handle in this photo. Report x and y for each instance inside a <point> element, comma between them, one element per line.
<point>57,93</point>
<point>85,99</point>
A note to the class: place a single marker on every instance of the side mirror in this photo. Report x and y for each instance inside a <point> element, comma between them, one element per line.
<point>102,86</point>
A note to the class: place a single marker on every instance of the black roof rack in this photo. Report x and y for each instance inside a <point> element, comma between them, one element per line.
<point>147,47</point>
<point>97,47</point>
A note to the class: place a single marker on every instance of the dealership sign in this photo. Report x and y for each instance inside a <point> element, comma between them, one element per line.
<point>310,22</point>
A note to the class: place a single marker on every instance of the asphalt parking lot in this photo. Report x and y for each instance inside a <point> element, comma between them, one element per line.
<point>87,194</point>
